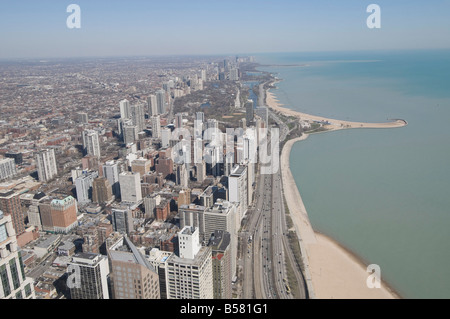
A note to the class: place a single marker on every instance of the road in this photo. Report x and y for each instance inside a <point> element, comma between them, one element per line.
<point>263,259</point>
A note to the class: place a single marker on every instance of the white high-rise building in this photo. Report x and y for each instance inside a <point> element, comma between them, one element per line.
<point>161,101</point>
<point>223,216</point>
<point>83,185</point>
<point>152,105</point>
<point>13,283</point>
<point>130,187</point>
<point>189,275</point>
<point>237,187</point>
<point>156,126</point>
<point>125,112</point>
<point>130,132</point>
<point>138,116</point>
<point>89,273</point>
<point>46,165</point>
<point>165,137</point>
<point>111,172</point>
<point>7,168</point>
<point>91,143</point>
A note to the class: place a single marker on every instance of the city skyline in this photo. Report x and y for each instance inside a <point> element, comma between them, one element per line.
<point>151,28</point>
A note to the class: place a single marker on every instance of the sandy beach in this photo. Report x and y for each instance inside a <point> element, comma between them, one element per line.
<point>331,270</point>
<point>333,124</point>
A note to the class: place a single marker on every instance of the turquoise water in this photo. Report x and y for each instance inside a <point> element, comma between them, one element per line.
<point>382,193</point>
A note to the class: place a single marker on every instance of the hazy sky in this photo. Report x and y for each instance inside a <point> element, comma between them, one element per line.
<point>37,28</point>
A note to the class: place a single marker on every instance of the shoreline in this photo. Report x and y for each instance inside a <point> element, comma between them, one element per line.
<point>331,269</point>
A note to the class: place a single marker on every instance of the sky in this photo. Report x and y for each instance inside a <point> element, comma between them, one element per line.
<point>36,29</point>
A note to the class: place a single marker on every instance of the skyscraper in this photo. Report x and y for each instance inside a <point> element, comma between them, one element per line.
<point>10,205</point>
<point>46,165</point>
<point>7,168</point>
<point>101,191</point>
<point>125,112</point>
<point>156,126</point>
<point>13,283</point>
<point>130,187</point>
<point>89,272</point>
<point>178,120</point>
<point>83,185</point>
<point>220,242</point>
<point>91,143</point>
<point>237,185</point>
<point>83,118</point>
<point>64,214</point>
<point>165,137</point>
<point>223,216</point>
<point>130,132</point>
<point>138,116</point>
<point>152,105</point>
<point>161,101</point>
<point>122,220</point>
<point>133,276</point>
<point>190,273</point>
<point>249,111</point>
<point>111,172</point>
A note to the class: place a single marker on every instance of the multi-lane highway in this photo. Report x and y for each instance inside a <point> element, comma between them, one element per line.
<point>264,245</point>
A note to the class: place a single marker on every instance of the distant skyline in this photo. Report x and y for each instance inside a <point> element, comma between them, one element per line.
<point>37,29</point>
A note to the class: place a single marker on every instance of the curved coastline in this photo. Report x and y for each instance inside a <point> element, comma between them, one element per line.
<point>331,270</point>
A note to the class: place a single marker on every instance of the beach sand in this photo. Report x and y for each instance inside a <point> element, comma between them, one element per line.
<point>331,270</point>
<point>334,124</point>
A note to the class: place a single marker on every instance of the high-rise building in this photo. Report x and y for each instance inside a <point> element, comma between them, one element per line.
<point>184,197</point>
<point>234,74</point>
<point>181,175</point>
<point>200,169</point>
<point>133,276</point>
<point>220,242</point>
<point>141,166</point>
<point>165,137</point>
<point>91,144</point>
<point>130,187</point>
<point>161,101</point>
<point>192,215</point>
<point>237,186</point>
<point>101,191</point>
<point>152,105</point>
<point>138,116</point>
<point>156,126</point>
<point>17,156</point>
<point>223,216</point>
<point>249,111</point>
<point>122,220</point>
<point>158,259</point>
<point>34,215</point>
<point>13,282</point>
<point>83,118</point>
<point>10,205</point>
<point>125,112</point>
<point>46,165</point>
<point>90,274</point>
<point>178,120</point>
<point>189,275</point>
<point>150,204</point>
<point>111,172</point>
<point>64,214</point>
<point>83,186</point>
<point>129,132</point>
<point>7,168</point>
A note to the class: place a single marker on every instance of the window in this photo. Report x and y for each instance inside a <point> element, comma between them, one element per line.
<point>3,233</point>
<point>27,290</point>
<point>5,281</point>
